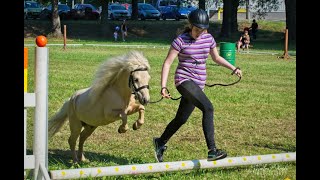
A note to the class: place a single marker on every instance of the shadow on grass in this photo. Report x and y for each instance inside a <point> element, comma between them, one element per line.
<point>236,169</point>
<point>279,147</point>
<point>57,156</point>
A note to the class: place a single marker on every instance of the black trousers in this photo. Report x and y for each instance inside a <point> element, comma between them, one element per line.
<point>192,96</point>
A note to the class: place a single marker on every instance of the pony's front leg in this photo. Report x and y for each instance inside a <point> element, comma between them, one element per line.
<point>133,109</point>
<point>140,120</point>
<point>124,126</point>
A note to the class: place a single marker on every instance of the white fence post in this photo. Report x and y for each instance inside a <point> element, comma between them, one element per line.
<point>40,145</point>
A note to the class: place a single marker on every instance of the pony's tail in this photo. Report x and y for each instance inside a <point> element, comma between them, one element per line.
<point>58,120</point>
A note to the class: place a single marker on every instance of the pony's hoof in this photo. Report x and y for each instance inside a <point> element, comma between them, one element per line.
<point>121,131</point>
<point>82,159</point>
<point>75,161</point>
<point>134,126</point>
<point>85,160</point>
<point>75,165</point>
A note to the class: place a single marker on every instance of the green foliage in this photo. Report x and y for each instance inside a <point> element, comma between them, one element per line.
<point>261,7</point>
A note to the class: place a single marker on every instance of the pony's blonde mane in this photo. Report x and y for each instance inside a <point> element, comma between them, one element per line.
<point>112,68</point>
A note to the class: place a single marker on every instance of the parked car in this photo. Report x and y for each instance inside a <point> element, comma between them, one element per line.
<point>84,11</point>
<point>160,4</point>
<point>32,9</point>
<point>174,12</point>
<point>126,5</point>
<point>117,11</point>
<point>191,8</point>
<point>63,11</point>
<point>146,11</point>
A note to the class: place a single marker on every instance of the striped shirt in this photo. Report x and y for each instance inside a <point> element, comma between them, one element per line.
<point>192,57</point>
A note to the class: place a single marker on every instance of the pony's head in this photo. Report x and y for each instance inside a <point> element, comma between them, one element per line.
<point>139,76</point>
<point>138,82</point>
<point>131,69</point>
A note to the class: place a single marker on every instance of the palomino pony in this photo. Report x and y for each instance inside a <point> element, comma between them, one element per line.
<point>118,83</point>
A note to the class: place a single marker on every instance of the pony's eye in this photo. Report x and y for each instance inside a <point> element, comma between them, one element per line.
<point>136,80</point>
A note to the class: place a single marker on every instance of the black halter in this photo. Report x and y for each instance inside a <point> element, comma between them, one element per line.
<point>132,86</point>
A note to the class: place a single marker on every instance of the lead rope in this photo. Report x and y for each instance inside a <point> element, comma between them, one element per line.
<point>218,84</point>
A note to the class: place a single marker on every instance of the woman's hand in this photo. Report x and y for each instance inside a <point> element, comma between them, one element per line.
<point>237,71</point>
<point>164,93</point>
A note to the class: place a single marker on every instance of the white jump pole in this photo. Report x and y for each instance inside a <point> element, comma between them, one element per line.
<point>40,145</point>
<point>170,166</point>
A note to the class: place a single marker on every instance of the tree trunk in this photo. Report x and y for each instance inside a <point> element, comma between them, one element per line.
<point>226,19</point>
<point>248,10</point>
<point>234,16</point>
<point>202,4</point>
<point>291,18</point>
<point>229,18</point>
<point>104,11</point>
<point>105,29</point>
<point>178,3</point>
<point>56,25</point>
<point>134,15</point>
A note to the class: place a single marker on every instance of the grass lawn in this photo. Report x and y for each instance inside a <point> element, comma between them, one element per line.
<point>254,117</point>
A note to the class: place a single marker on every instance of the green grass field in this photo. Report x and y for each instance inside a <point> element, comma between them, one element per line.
<point>256,116</point>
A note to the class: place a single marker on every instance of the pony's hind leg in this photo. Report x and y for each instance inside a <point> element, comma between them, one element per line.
<point>86,132</point>
<point>75,128</point>
<point>135,108</point>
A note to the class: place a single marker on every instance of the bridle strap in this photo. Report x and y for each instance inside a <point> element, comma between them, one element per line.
<point>131,83</point>
<point>142,87</point>
<point>140,69</point>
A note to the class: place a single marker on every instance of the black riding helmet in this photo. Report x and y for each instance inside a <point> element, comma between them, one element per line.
<point>199,18</point>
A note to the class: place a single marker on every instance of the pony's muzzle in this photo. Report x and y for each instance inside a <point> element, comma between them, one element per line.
<point>144,100</point>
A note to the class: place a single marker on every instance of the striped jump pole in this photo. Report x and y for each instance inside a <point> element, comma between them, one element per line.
<point>170,166</point>
<point>26,157</point>
<point>25,69</point>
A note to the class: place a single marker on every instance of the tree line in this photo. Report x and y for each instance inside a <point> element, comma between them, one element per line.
<point>229,20</point>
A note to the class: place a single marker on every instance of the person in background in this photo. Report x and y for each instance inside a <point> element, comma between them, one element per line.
<point>254,29</point>
<point>192,47</point>
<point>115,33</point>
<point>124,30</point>
<point>244,40</point>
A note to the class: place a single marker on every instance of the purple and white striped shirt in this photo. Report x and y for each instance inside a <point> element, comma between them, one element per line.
<point>192,57</point>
